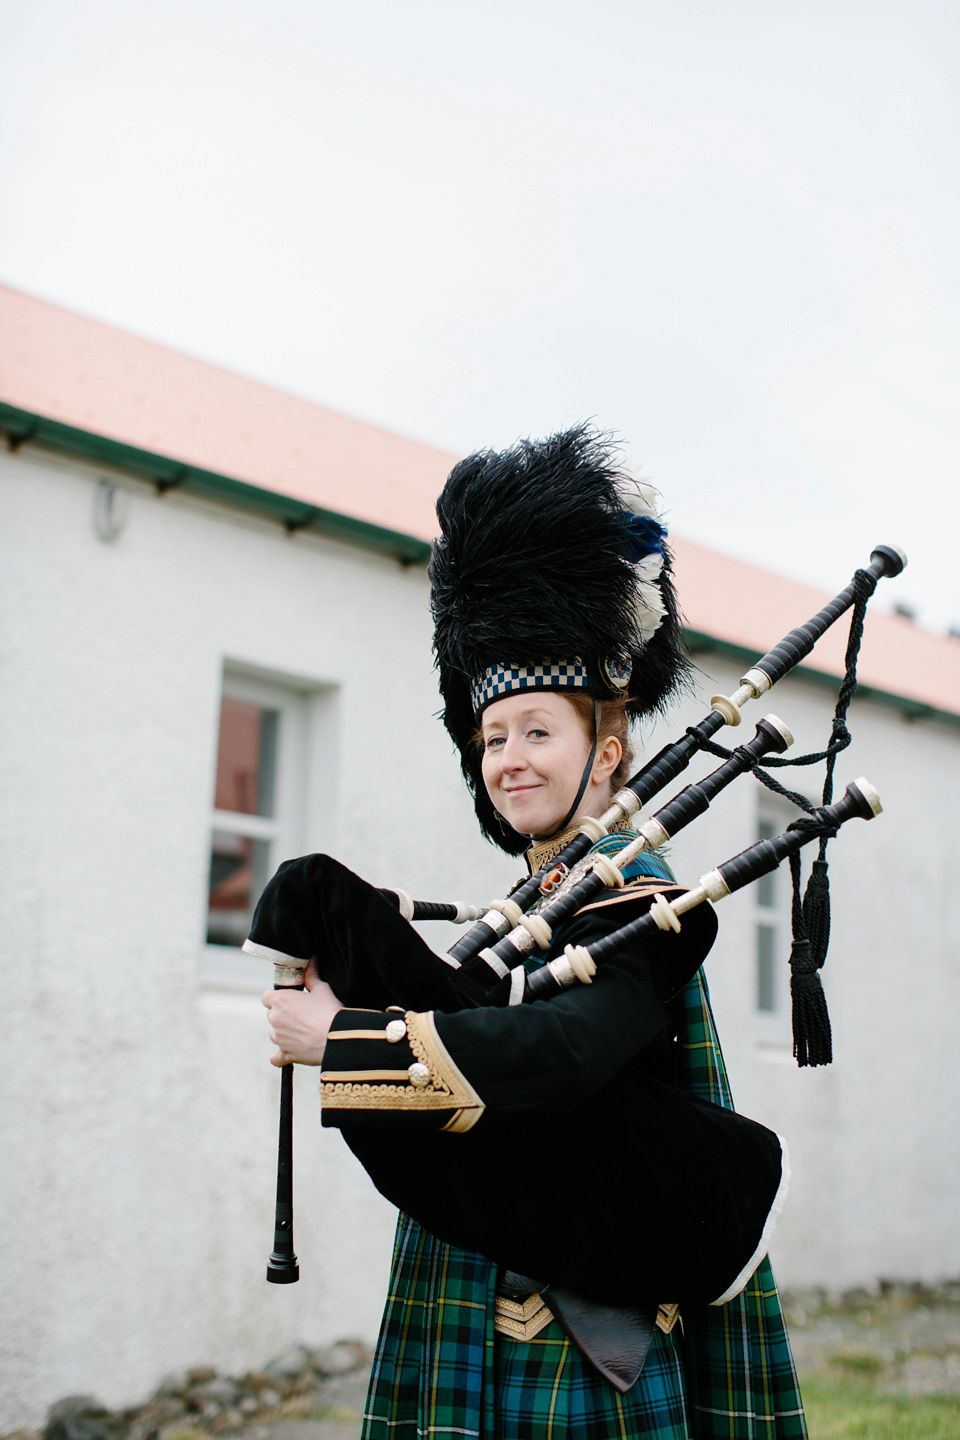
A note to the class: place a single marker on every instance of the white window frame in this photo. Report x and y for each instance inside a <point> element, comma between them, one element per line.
<point>772,1028</point>
<point>226,966</point>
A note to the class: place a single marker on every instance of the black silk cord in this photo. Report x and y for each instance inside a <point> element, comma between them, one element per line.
<point>583,779</point>
<point>812,1044</point>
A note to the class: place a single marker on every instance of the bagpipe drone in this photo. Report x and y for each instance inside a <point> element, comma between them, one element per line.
<point>563,514</point>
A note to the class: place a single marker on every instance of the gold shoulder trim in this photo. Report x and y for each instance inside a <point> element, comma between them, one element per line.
<point>447,1088</point>
<point>633,889</point>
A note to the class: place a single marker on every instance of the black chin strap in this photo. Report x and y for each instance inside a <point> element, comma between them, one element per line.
<point>583,780</point>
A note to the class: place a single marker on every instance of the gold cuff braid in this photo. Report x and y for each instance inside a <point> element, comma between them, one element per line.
<point>446,1089</point>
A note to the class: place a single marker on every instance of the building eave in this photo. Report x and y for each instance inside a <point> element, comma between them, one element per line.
<point>700,643</point>
<point>22,427</point>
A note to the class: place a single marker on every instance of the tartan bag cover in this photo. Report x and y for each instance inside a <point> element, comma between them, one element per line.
<point>434,1368</point>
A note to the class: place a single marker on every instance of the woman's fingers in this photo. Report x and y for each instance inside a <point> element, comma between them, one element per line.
<point>298,1022</point>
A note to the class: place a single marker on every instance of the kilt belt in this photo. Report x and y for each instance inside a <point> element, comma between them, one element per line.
<point>522,1319</point>
<point>615,1339</point>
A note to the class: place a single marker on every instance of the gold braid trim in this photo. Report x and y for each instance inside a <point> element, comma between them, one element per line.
<point>547,850</point>
<point>636,889</point>
<point>541,854</point>
<point>521,1319</point>
<point>524,1319</point>
<point>357,1035</point>
<point>447,1088</point>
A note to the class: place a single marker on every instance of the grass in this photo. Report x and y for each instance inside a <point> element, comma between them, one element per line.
<point>849,1409</point>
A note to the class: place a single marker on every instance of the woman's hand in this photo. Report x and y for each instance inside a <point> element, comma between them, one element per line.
<point>299,1020</point>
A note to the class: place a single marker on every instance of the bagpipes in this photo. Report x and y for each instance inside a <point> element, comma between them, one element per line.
<point>673,759</point>
<point>455,1187</point>
<point>691,1191</point>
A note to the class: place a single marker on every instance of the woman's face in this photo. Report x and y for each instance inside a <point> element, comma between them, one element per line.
<point>534,751</point>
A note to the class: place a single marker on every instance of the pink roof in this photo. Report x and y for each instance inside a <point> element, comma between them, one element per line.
<point>744,605</point>
<point>89,375</point>
<point>83,373</point>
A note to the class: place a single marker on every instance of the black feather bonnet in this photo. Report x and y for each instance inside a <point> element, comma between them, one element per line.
<point>551,572</point>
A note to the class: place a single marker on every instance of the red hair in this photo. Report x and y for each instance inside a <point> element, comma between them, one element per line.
<point>613,721</point>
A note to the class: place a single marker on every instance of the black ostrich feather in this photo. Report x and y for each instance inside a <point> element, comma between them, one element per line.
<point>534,564</point>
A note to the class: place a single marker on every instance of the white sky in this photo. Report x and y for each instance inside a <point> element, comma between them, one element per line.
<point>727,229</point>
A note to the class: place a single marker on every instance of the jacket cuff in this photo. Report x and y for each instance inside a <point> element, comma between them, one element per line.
<point>391,1069</point>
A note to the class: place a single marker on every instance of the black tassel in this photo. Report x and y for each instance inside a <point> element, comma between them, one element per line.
<point>812,1040</point>
<point>816,911</point>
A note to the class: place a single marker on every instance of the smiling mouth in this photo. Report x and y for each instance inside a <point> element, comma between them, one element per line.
<point>521,789</point>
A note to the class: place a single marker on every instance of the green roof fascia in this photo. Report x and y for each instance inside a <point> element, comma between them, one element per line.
<point>699,643</point>
<point>22,427</point>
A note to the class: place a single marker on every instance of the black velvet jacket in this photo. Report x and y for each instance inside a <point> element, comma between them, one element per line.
<point>546,1136</point>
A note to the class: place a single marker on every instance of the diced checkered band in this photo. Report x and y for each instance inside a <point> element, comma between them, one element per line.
<point>499,680</point>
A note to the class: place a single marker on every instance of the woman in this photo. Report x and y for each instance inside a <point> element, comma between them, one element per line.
<point>436,1099</point>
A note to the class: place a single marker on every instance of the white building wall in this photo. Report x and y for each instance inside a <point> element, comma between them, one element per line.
<point>139,1113</point>
<point>874,1140</point>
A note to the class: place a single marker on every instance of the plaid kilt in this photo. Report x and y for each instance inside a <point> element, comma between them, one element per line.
<point>544,1391</point>
<point>741,1382</point>
<point>441,1370</point>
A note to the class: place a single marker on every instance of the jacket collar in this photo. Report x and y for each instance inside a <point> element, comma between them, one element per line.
<point>546,850</point>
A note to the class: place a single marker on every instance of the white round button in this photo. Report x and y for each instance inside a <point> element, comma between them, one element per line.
<point>396,1030</point>
<point>419,1074</point>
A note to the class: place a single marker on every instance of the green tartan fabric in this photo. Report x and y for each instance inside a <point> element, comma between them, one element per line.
<point>648,862</point>
<point>741,1381</point>
<point>440,1370</point>
<point>433,1372</point>
<point>544,1391</point>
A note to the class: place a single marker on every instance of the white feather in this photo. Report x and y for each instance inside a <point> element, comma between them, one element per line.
<point>639,496</point>
<point>648,604</point>
<point>648,569</point>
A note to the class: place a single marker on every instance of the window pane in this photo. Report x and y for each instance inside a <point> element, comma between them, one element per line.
<point>767,884</point>
<point>246,758</point>
<point>766,975</point>
<point>238,873</point>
